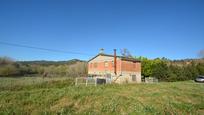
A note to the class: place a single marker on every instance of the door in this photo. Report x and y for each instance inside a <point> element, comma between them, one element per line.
<point>133,77</point>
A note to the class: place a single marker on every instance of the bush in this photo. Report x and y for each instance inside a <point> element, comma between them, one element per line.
<point>8,67</point>
<point>8,70</point>
<point>200,68</point>
<point>160,71</point>
<point>166,70</point>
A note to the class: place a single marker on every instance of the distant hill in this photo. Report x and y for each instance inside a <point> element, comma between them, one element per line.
<point>47,63</point>
<point>184,62</point>
<point>181,62</point>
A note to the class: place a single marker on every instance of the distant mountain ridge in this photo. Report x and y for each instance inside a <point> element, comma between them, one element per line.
<point>47,63</point>
<point>73,61</point>
<point>187,61</point>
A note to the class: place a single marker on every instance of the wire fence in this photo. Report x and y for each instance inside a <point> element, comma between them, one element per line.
<point>87,81</point>
<point>151,80</point>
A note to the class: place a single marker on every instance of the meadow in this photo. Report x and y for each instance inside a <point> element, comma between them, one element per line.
<point>35,95</point>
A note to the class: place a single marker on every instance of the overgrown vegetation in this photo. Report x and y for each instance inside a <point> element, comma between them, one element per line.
<point>167,70</point>
<point>163,69</point>
<point>72,68</point>
<point>57,96</point>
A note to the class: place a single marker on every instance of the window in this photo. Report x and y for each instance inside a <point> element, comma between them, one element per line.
<point>106,64</point>
<point>112,64</point>
<point>133,77</point>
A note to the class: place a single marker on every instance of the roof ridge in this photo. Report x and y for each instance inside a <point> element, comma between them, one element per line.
<point>122,57</point>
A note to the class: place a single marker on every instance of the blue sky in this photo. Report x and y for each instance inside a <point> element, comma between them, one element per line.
<point>161,28</point>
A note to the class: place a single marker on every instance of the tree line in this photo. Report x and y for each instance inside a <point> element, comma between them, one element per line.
<point>168,70</point>
<point>72,68</point>
<point>161,68</point>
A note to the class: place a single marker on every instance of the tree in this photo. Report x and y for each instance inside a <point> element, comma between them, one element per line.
<point>200,68</point>
<point>125,52</point>
<point>8,70</point>
<point>146,67</point>
<point>160,70</point>
<point>5,60</point>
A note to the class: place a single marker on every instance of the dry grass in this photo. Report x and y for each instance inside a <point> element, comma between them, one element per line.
<point>61,97</point>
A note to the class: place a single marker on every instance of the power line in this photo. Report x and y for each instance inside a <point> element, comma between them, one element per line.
<point>45,49</point>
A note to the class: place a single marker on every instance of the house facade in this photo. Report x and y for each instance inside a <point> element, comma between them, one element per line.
<point>119,69</point>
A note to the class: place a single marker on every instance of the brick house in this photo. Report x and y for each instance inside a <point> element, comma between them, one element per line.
<point>118,69</point>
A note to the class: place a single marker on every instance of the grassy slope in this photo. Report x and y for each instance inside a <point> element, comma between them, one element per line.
<point>60,96</point>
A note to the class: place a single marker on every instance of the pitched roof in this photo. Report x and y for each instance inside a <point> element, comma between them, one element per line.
<point>121,57</point>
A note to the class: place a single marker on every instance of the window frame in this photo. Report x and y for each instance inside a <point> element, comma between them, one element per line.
<point>106,64</point>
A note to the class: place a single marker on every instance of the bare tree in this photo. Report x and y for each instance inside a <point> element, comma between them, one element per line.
<point>201,53</point>
<point>6,60</point>
<point>125,52</point>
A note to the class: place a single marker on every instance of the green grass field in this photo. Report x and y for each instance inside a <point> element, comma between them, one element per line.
<point>60,96</point>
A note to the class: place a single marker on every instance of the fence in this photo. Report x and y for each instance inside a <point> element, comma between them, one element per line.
<point>92,81</point>
<point>151,80</point>
<point>85,81</point>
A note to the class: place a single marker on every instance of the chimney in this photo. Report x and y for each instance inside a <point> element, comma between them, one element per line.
<point>101,51</point>
<point>115,62</point>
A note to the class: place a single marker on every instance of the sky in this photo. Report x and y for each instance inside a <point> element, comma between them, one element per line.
<point>152,28</point>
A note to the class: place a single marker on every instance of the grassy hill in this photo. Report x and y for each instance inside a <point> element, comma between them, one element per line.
<point>60,96</point>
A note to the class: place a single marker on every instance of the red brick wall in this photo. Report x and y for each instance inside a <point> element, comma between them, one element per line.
<point>100,66</point>
<point>131,66</point>
<point>126,66</point>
